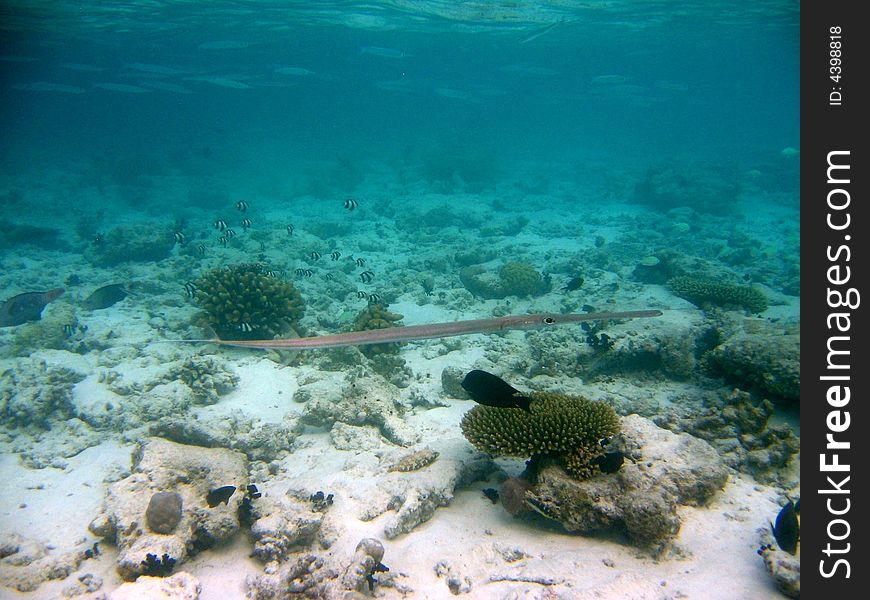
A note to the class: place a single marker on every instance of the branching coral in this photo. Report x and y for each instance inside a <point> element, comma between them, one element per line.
<point>700,291</point>
<point>568,427</point>
<point>245,302</point>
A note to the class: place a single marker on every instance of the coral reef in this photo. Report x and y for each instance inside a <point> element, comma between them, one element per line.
<point>363,401</point>
<point>512,279</point>
<point>705,189</point>
<point>25,563</point>
<point>784,568</point>
<point>181,586</point>
<point>312,576</point>
<point>161,465</point>
<point>522,280</point>
<point>767,362</point>
<point>376,316</point>
<point>164,512</point>
<point>207,377</point>
<point>244,301</point>
<point>737,426</point>
<point>641,498</point>
<point>285,525</point>
<point>702,292</point>
<point>35,392</point>
<point>136,242</point>
<point>556,425</point>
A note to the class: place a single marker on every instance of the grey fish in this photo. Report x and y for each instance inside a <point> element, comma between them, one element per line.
<point>26,307</point>
<point>106,296</point>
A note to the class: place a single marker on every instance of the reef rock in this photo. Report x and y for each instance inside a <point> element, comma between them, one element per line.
<point>782,566</point>
<point>362,401</point>
<point>181,586</point>
<point>164,466</point>
<point>641,498</point>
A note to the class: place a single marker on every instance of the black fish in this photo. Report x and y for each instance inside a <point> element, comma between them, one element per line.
<point>106,296</point>
<point>218,495</point>
<point>360,262</point>
<point>574,284</point>
<point>26,307</point>
<point>489,390</point>
<point>374,299</point>
<point>787,529</point>
<point>190,288</point>
<point>610,462</point>
<point>366,276</point>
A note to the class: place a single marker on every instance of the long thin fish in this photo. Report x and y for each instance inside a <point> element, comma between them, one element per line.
<point>433,330</point>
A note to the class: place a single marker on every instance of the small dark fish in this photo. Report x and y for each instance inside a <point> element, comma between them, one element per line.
<point>610,462</point>
<point>491,494</point>
<point>253,492</point>
<point>787,529</point>
<point>489,390</point>
<point>246,327</point>
<point>374,299</point>
<point>179,238</point>
<point>229,233</point>
<point>270,273</point>
<point>360,262</point>
<point>315,255</point>
<point>587,308</point>
<point>105,296</point>
<point>361,294</point>
<point>290,230</point>
<point>201,249</point>
<point>223,240</point>
<point>335,255</point>
<point>304,272</point>
<point>246,224</point>
<point>350,204</point>
<point>329,276</point>
<point>26,307</point>
<point>575,284</point>
<point>242,205</point>
<point>366,276</point>
<point>220,495</point>
<point>73,279</point>
<point>190,289</point>
<point>220,224</point>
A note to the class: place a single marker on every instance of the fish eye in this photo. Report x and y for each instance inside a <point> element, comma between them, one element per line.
<point>549,321</point>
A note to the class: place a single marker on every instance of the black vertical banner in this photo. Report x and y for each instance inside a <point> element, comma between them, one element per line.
<point>835,367</point>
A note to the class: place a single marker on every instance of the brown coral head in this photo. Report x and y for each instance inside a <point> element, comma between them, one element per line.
<point>513,494</point>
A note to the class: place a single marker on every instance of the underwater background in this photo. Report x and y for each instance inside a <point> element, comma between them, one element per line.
<point>177,170</point>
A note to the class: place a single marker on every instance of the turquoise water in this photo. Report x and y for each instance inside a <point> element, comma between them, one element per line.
<point>438,160</point>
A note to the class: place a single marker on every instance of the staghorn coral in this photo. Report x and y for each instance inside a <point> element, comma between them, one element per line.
<point>244,302</point>
<point>558,425</point>
<point>376,316</point>
<point>702,291</point>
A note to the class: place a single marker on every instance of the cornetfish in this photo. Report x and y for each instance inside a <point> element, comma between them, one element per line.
<point>432,330</point>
